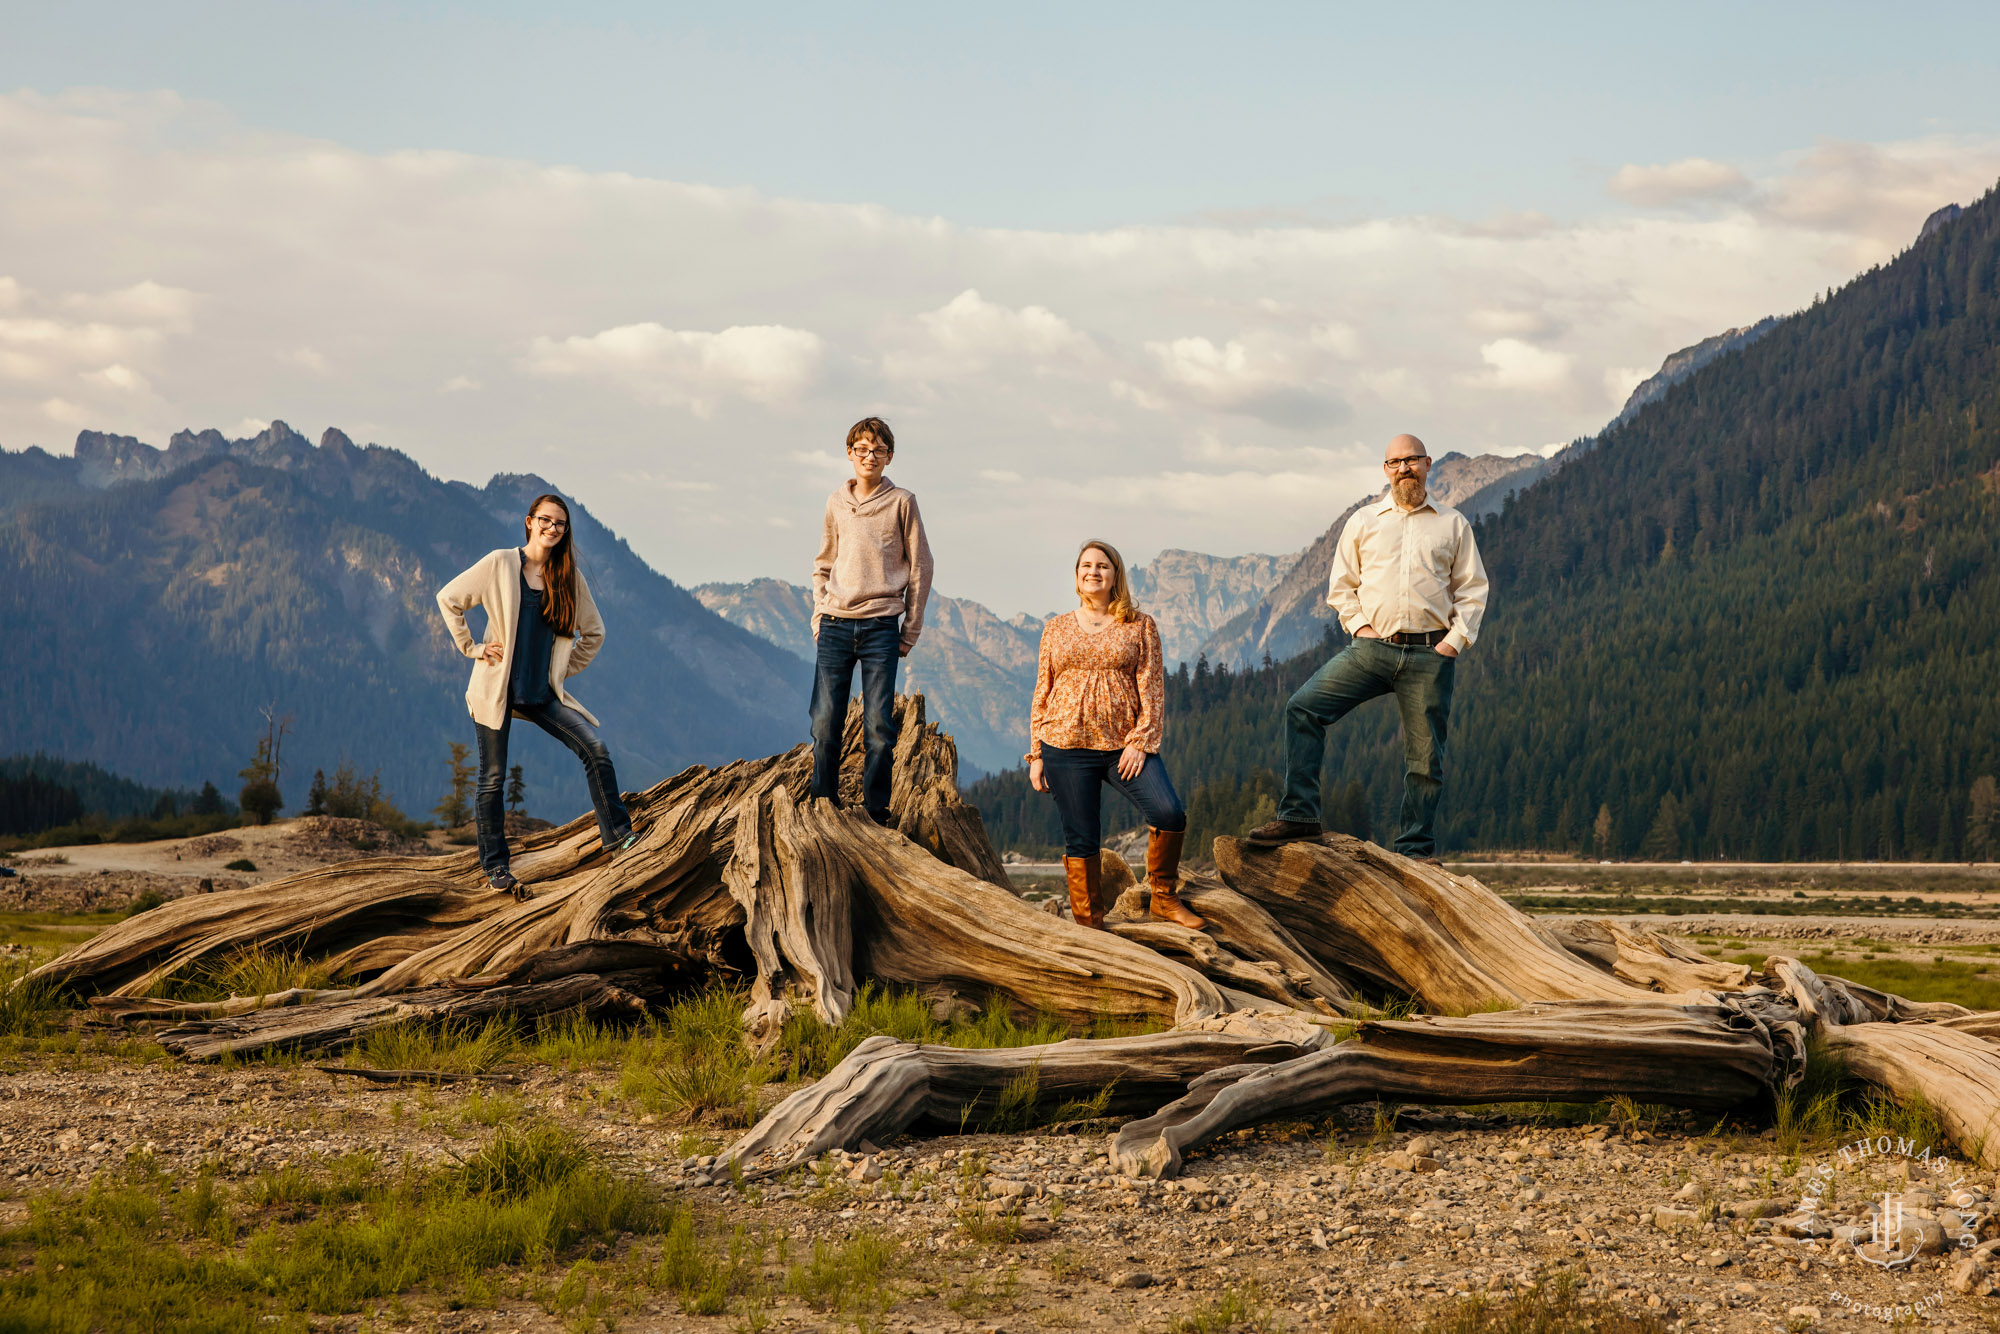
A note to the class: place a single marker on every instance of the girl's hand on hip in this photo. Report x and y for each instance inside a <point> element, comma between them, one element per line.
<point>490,652</point>
<point>1130,761</point>
<point>1037,778</point>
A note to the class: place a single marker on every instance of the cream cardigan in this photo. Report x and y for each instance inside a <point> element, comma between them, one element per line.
<point>495,584</point>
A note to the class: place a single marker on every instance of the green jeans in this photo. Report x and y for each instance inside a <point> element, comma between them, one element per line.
<point>1420,679</point>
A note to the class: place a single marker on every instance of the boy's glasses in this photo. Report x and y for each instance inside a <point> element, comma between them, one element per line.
<point>870,452</point>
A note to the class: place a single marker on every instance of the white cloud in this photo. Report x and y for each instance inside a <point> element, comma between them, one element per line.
<point>998,475</point>
<point>1691,180</point>
<point>614,324</point>
<point>1620,381</point>
<point>1264,382</point>
<point>120,377</point>
<point>248,427</point>
<point>1513,364</point>
<point>1339,339</point>
<point>306,359</point>
<point>762,363</point>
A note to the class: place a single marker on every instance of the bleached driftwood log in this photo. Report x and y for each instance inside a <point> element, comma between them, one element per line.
<point>741,879</point>
<point>1709,1057</point>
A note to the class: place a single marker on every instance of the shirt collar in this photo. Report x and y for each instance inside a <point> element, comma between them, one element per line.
<point>1388,505</point>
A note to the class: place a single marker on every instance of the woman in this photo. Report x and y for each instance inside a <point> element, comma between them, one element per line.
<point>542,627</point>
<point>1100,692</point>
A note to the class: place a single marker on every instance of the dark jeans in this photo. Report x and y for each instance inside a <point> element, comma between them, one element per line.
<point>872,643</point>
<point>573,730</point>
<point>1420,679</point>
<point>1076,778</point>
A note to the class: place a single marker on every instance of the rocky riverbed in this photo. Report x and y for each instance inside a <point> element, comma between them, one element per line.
<point>1338,1224</point>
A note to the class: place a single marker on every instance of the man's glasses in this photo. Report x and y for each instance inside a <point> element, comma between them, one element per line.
<point>1410,464</point>
<point>543,521</point>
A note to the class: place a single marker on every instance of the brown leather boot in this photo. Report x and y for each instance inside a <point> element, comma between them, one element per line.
<point>1163,873</point>
<point>1084,875</point>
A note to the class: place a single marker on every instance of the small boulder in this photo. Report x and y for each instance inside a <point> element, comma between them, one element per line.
<point>1132,1278</point>
<point>1755,1208</point>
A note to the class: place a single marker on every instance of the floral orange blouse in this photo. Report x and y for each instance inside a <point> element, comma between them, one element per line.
<point>1102,691</point>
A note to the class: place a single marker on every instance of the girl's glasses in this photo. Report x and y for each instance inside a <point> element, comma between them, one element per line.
<point>543,521</point>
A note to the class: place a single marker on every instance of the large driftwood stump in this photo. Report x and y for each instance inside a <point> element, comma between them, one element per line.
<point>741,879</point>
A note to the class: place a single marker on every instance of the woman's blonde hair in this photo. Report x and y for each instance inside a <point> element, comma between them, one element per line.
<point>1122,606</point>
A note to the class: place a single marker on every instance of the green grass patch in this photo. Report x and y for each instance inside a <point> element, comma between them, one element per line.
<point>1975,986</point>
<point>1243,1308</point>
<point>810,1047</point>
<point>138,1251</point>
<point>1554,1307</point>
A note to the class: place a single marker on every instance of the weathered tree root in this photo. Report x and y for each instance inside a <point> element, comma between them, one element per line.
<point>333,1025</point>
<point>886,1086</point>
<point>1710,1057</point>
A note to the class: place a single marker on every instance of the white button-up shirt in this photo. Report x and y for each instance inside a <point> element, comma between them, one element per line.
<point>1408,571</point>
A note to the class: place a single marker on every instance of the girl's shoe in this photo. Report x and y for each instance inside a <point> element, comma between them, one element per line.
<point>627,843</point>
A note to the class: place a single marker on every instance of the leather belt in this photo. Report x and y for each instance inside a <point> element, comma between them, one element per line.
<point>1416,638</point>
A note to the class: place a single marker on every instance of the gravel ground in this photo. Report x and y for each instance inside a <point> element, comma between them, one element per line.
<point>1700,1230</point>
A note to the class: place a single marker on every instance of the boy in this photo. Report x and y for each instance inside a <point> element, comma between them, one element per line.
<point>870,582</point>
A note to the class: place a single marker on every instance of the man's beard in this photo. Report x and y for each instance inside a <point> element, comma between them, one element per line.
<point>1409,491</point>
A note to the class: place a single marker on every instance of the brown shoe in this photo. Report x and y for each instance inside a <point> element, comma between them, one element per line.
<point>1163,874</point>
<point>1283,831</point>
<point>1084,875</point>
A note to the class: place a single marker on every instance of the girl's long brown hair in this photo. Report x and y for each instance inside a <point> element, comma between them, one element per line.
<point>1122,606</point>
<point>558,572</point>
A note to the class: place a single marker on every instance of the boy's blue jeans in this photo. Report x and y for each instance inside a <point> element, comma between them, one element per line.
<point>874,645</point>
<point>1420,678</point>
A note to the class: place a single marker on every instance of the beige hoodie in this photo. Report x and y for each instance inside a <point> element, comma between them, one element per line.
<point>495,584</point>
<point>874,559</point>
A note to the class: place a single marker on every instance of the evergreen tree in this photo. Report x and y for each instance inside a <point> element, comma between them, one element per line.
<point>1982,820</point>
<point>316,795</point>
<point>1600,832</point>
<point>1663,841</point>
<point>455,807</point>
<point>517,789</point>
<point>208,801</point>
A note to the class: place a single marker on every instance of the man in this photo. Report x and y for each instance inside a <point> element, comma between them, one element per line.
<point>870,582</point>
<point>1408,585</point>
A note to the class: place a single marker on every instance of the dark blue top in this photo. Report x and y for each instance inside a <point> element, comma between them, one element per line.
<point>534,641</point>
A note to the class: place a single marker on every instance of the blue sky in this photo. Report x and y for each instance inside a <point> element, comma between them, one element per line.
<point>1167,273</point>
<point>1062,115</point>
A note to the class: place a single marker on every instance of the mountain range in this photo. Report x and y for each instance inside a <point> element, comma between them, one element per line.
<point>156,600</point>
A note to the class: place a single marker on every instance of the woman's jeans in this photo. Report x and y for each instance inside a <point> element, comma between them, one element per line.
<point>875,644</point>
<point>1077,778</point>
<point>1420,679</point>
<point>573,730</point>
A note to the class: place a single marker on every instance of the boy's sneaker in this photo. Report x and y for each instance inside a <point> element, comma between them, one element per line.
<point>1283,831</point>
<point>505,882</point>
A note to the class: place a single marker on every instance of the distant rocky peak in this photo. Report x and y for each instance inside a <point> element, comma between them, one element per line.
<point>105,458</point>
<point>1944,217</point>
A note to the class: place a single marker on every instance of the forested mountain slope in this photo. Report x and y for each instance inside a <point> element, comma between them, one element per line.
<point>1759,619</point>
<point>155,600</point>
